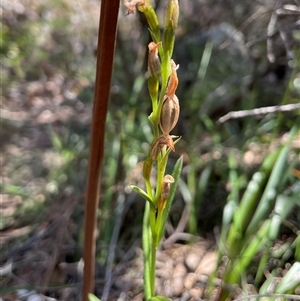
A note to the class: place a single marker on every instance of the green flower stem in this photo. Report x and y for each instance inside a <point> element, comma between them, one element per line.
<point>161,168</point>
<point>155,217</point>
<point>154,118</point>
<point>152,249</point>
<point>153,261</point>
<point>156,130</point>
<point>147,259</point>
<point>169,40</point>
<point>159,226</point>
<point>153,85</point>
<point>149,188</point>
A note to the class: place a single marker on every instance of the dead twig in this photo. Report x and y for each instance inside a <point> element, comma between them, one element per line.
<point>270,33</point>
<point>258,111</point>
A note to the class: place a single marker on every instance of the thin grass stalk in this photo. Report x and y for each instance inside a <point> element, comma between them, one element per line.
<point>263,262</point>
<point>238,265</point>
<point>287,95</point>
<point>200,189</point>
<point>112,245</point>
<point>107,219</point>
<point>205,60</point>
<point>105,55</point>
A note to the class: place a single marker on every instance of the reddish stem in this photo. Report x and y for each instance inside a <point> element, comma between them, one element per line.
<point>105,55</point>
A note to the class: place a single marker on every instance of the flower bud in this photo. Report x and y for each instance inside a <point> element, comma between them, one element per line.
<point>172,14</point>
<point>169,114</point>
<point>167,180</point>
<point>153,23</point>
<point>171,21</point>
<point>170,108</point>
<point>153,59</point>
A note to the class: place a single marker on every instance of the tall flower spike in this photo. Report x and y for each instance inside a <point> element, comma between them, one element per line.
<point>153,59</point>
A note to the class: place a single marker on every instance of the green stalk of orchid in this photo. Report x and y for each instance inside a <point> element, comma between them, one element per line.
<point>162,85</point>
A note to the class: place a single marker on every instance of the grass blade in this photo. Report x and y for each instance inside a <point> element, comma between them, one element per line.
<point>275,180</point>
<point>176,174</point>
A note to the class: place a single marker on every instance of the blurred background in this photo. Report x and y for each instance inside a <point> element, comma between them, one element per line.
<point>233,55</point>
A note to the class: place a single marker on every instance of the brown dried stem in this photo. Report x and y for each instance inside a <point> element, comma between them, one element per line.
<point>105,55</point>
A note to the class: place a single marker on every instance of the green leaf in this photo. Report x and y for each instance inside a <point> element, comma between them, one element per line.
<point>283,207</point>
<point>291,279</point>
<point>93,297</point>
<point>267,284</point>
<point>243,260</point>
<point>144,195</point>
<point>176,175</point>
<point>275,181</point>
<point>251,196</point>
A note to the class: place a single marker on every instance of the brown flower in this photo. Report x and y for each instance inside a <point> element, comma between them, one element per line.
<point>170,109</point>
<point>159,143</point>
<point>173,81</point>
<point>153,59</point>
<point>165,192</point>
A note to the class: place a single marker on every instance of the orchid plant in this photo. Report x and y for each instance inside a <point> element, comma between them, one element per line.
<point>162,85</point>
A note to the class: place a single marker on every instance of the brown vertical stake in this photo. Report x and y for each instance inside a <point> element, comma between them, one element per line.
<point>105,55</point>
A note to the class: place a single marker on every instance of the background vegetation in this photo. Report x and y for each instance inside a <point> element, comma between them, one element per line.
<point>233,56</point>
